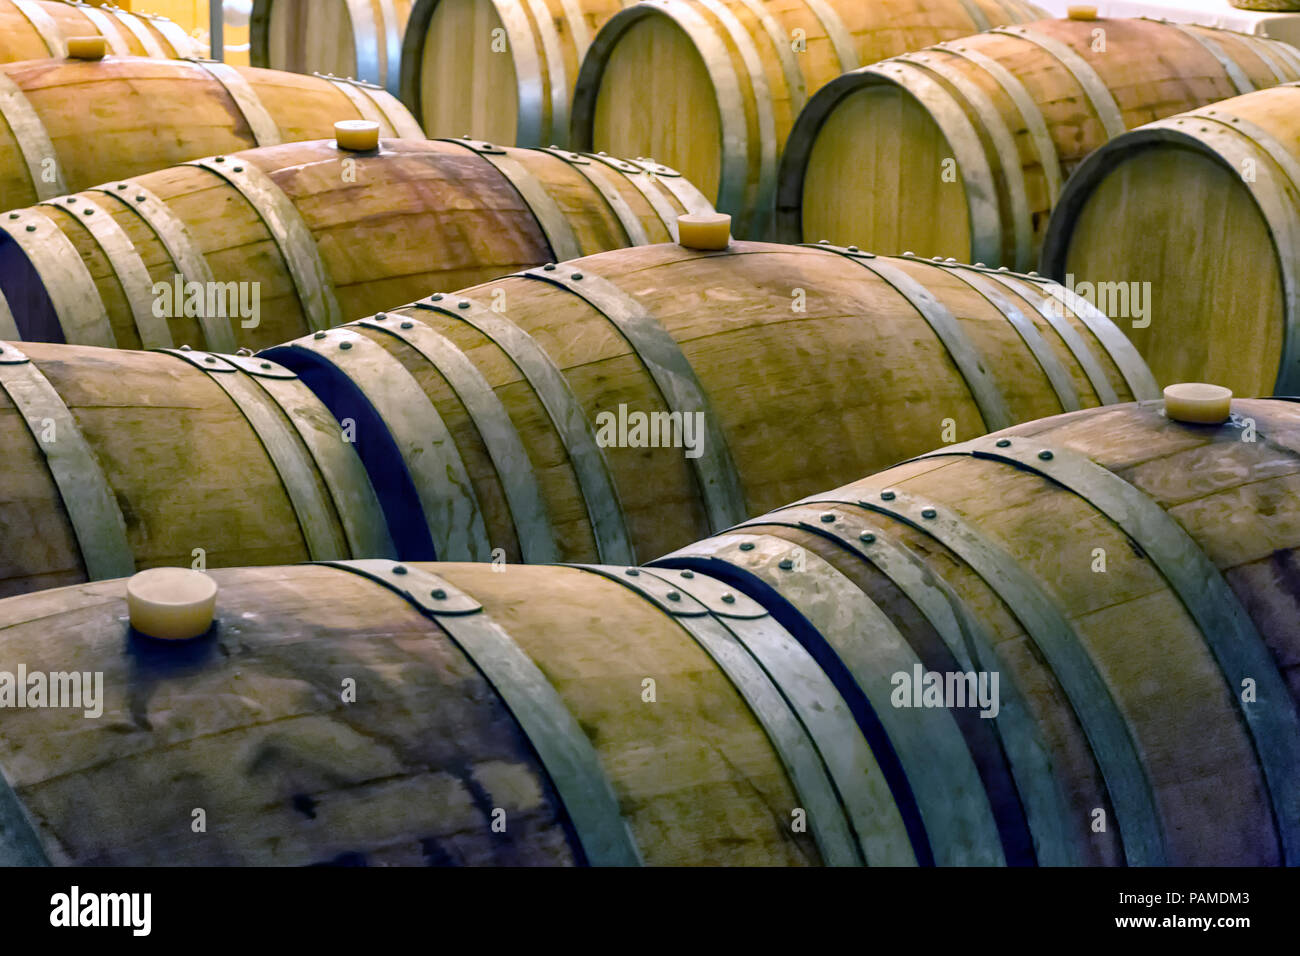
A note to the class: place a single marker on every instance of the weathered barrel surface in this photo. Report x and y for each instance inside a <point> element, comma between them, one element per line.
<point>618,406</point>
<point>352,38</point>
<point>71,124</point>
<point>501,70</point>
<point>35,29</point>
<point>314,235</point>
<point>117,461</point>
<point>743,701</point>
<point>512,731</point>
<point>1199,214</point>
<point>713,89</point>
<point>1132,582</point>
<point>962,149</point>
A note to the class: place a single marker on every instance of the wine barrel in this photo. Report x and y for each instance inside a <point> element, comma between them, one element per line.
<point>961,149</point>
<point>501,70</point>
<point>349,714</point>
<point>754,375</point>
<point>1199,213</point>
<point>70,124</point>
<point>1130,580</point>
<point>306,235</point>
<point>36,29</point>
<point>713,88</point>
<point>117,461</point>
<point>354,38</point>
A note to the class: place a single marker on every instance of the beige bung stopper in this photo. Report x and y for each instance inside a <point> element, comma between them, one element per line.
<point>704,230</point>
<point>87,48</point>
<point>172,604</point>
<point>357,135</point>
<point>1198,403</point>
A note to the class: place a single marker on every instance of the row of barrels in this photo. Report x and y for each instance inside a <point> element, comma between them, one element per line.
<point>992,206</point>
<point>609,408</point>
<point>815,103</point>
<point>1117,585</point>
<point>506,70</point>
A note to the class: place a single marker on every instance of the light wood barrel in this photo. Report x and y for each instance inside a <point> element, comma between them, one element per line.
<point>72,124</point>
<point>253,248</point>
<point>349,38</point>
<point>1200,215</point>
<point>713,88</point>
<point>501,70</point>
<point>36,29</point>
<point>511,408</point>
<point>445,715</point>
<point>118,461</point>
<point>1128,578</point>
<point>962,149</point>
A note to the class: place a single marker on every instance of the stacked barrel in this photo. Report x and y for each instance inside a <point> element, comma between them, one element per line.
<point>596,432</point>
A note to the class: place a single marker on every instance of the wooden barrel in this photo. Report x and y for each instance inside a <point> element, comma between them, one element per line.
<point>337,715</point>
<point>71,124</point>
<point>36,29</point>
<point>1200,215</point>
<point>501,70</point>
<point>308,235</point>
<point>618,406</point>
<point>713,88</point>
<point>117,461</point>
<point>961,149</point>
<point>1130,580</point>
<point>353,38</point>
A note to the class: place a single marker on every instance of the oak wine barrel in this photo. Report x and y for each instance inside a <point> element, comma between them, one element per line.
<point>961,149</point>
<point>309,235</point>
<point>1131,582</point>
<point>36,29</point>
<point>72,124</point>
<point>370,712</point>
<point>510,731</point>
<point>352,38</point>
<point>511,410</point>
<point>501,70</point>
<point>117,461</point>
<point>1200,214</point>
<point>713,88</point>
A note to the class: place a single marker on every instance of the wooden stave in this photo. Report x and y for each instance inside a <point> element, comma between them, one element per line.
<point>599,202</point>
<point>576,490</point>
<point>993,243</point>
<point>1281,216</point>
<point>747,192</point>
<point>1136,446</point>
<point>744,820</point>
<point>255,431</point>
